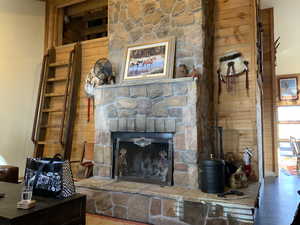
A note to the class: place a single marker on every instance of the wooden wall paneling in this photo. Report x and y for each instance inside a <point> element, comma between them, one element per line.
<point>236,31</point>
<point>268,80</point>
<point>83,130</point>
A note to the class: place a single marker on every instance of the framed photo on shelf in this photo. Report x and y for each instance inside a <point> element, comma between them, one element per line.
<point>152,60</point>
<point>288,88</point>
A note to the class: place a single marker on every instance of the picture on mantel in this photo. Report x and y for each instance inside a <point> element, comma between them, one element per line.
<point>150,60</point>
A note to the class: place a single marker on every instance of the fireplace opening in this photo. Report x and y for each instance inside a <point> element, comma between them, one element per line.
<point>143,157</point>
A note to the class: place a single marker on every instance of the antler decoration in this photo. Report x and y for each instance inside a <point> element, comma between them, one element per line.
<point>276,46</point>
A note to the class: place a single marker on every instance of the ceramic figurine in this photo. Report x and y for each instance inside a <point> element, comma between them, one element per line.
<point>247,155</point>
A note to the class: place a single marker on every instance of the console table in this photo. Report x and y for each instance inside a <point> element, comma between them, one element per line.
<point>48,211</point>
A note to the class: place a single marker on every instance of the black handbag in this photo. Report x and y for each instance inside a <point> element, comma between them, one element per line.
<point>50,177</point>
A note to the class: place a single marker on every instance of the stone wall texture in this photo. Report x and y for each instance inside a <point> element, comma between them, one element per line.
<point>158,210</point>
<point>139,21</point>
<point>168,106</point>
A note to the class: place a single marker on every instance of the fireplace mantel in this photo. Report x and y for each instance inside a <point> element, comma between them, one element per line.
<point>148,82</point>
<point>150,106</point>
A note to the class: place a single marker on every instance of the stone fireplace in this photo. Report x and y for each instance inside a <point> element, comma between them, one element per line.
<point>162,112</point>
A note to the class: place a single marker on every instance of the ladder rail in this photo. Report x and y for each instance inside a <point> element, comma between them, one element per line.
<point>69,76</point>
<point>38,101</point>
<point>72,104</point>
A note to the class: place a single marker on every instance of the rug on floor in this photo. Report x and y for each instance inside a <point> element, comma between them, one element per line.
<point>289,170</point>
<point>92,219</point>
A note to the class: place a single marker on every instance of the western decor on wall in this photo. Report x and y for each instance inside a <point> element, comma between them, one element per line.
<point>288,88</point>
<point>150,60</point>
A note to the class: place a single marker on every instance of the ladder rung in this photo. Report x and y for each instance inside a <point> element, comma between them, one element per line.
<point>56,79</point>
<point>50,126</point>
<point>54,95</point>
<point>58,64</point>
<point>52,110</point>
<point>48,142</point>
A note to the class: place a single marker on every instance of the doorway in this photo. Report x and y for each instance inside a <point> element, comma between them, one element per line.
<point>288,124</point>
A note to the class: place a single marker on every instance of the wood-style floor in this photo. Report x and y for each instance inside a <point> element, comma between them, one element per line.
<point>279,200</point>
<point>102,220</point>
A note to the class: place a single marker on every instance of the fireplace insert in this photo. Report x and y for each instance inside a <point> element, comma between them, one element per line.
<point>143,157</point>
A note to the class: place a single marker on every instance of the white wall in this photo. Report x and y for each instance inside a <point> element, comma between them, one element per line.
<point>21,51</point>
<point>287,27</point>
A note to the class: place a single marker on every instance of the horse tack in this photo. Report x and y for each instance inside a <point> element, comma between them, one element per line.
<point>232,65</point>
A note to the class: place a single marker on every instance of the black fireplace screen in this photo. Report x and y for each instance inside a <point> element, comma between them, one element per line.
<point>144,157</point>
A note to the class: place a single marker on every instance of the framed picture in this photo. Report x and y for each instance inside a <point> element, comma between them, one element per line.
<point>152,60</point>
<point>288,88</point>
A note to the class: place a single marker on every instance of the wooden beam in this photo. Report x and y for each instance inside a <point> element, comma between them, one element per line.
<point>206,94</point>
<point>95,16</point>
<point>67,3</point>
<point>92,5</point>
<point>95,30</point>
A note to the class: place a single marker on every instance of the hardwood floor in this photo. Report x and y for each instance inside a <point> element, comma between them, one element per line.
<point>103,220</point>
<point>279,200</point>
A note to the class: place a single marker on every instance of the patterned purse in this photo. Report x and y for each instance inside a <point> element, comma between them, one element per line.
<point>50,177</point>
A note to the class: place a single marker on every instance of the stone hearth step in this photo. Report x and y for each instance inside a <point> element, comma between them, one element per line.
<point>166,205</point>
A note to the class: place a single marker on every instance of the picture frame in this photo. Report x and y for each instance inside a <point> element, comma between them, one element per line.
<point>151,60</point>
<point>288,88</point>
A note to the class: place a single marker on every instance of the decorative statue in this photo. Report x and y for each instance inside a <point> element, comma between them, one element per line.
<point>239,179</point>
<point>163,166</point>
<point>122,162</point>
<point>247,155</point>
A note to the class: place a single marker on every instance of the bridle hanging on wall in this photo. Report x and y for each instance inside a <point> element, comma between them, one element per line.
<point>232,65</point>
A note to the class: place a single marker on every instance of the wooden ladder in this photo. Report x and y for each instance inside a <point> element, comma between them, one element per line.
<point>47,108</point>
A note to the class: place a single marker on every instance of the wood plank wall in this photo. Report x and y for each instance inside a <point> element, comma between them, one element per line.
<point>84,130</point>
<point>236,31</point>
<point>92,50</point>
<point>270,158</point>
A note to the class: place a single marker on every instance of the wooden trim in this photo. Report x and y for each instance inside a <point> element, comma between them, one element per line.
<point>47,28</point>
<point>60,26</point>
<point>287,75</point>
<point>69,3</point>
<point>273,90</point>
<point>285,140</point>
<point>93,5</point>
<point>289,122</point>
<point>83,43</point>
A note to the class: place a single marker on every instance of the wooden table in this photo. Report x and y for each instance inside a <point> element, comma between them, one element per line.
<point>48,211</point>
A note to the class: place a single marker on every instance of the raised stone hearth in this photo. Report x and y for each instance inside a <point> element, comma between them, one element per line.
<point>167,205</point>
<point>163,106</point>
